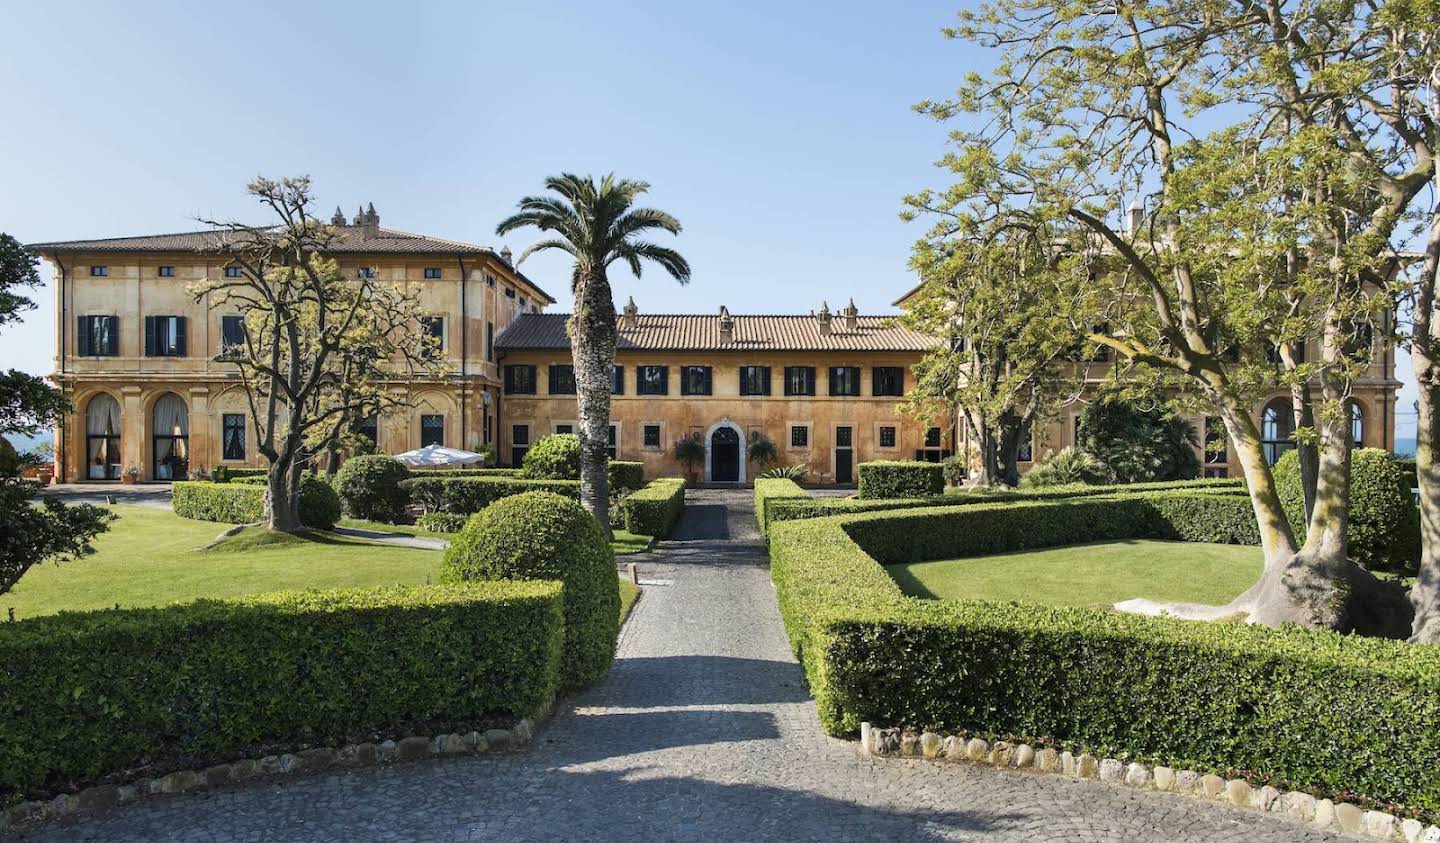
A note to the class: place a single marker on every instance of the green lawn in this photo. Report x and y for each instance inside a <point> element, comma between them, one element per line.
<point>1096,575</point>
<point>629,593</point>
<point>622,544</point>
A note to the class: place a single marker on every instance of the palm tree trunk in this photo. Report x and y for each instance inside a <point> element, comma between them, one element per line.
<point>592,348</point>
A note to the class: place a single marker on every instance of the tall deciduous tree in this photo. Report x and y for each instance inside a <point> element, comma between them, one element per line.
<point>31,534</point>
<point>597,224</point>
<point>321,348</point>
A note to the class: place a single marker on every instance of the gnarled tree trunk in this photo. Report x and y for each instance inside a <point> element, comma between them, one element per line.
<point>282,497</point>
<point>592,349</point>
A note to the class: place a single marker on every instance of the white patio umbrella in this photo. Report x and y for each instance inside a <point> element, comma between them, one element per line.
<point>438,456</point>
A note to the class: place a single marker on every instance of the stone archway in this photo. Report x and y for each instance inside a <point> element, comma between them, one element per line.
<point>729,446</point>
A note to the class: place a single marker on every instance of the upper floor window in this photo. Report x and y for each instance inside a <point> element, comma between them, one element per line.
<point>232,332</point>
<point>520,379</point>
<point>164,336</point>
<point>799,380</point>
<point>232,436</point>
<point>695,380</point>
<point>234,272</point>
<point>434,329</point>
<point>617,380</point>
<point>754,380</point>
<point>489,340</point>
<point>166,272</point>
<point>652,380</point>
<point>432,272</point>
<point>524,302</point>
<point>932,437</point>
<point>889,380</point>
<point>365,272</point>
<point>98,336</point>
<point>562,379</point>
<point>844,380</point>
<point>489,280</point>
<point>99,271</point>
<point>509,292</point>
<point>432,430</point>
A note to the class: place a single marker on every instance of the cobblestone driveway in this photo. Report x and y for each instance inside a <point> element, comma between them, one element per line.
<point>702,730</point>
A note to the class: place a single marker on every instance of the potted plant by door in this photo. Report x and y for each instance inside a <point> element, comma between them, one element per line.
<point>690,451</point>
<point>131,475</point>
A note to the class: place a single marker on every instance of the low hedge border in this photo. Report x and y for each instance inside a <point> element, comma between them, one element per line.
<point>771,491</point>
<point>469,495</point>
<point>243,501</point>
<point>882,479</point>
<point>1297,708</point>
<point>654,509</point>
<point>90,693</point>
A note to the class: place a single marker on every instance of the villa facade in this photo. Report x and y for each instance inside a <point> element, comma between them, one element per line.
<point>135,353</point>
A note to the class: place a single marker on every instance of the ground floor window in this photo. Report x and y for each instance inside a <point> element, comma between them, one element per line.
<point>564,428</point>
<point>1357,425</point>
<point>1277,429</point>
<point>1217,443</point>
<point>519,443</point>
<point>887,437</point>
<point>171,439</point>
<point>232,436</point>
<point>1026,452</point>
<point>651,436</point>
<point>102,438</point>
<point>799,436</point>
<point>432,430</point>
<point>369,428</point>
<point>612,437</point>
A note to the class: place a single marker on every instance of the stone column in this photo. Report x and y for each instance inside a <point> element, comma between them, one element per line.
<point>134,432</point>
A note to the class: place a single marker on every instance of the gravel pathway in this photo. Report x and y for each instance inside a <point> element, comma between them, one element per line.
<point>702,730</point>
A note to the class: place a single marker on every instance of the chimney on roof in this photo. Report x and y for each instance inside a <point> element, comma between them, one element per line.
<point>630,318</point>
<point>1134,217</point>
<point>339,218</point>
<point>370,226</point>
<point>824,319</point>
<point>852,317</point>
<point>506,255</point>
<point>727,325</point>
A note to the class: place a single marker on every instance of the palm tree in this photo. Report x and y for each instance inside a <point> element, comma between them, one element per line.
<point>597,225</point>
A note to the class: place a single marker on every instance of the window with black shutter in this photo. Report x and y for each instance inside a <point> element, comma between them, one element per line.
<point>164,336</point>
<point>562,379</point>
<point>98,336</point>
<point>520,379</point>
<point>695,380</point>
<point>519,443</point>
<point>889,380</point>
<point>932,437</point>
<point>232,333</point>
<point>652,380</point>
<point>844,380</point>
<point>799,380</point>
<point>434,329</point>
<point>617,380</point>
<point>489,340</point>
<point>754,380</point>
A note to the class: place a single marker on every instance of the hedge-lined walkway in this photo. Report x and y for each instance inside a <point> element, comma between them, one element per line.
<point>702,730</point>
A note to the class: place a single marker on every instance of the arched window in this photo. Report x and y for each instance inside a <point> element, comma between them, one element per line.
<point>1357,425</point>
<point>102,438</point>
<point>171,438</point>
<point>1277,429</point>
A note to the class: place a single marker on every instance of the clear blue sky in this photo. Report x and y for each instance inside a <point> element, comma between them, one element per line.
<point>780,134</point>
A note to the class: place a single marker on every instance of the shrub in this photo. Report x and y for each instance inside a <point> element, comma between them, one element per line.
<point>199,683</point>
<point>469,495</point>
<point>541,535</point>
<point>653,510</point>
<point>768,490</point>
<point>252,480</point>
<point>1067,467</point>
<point>441,522</point>
<point>785,472</point>
<point>1138,444</point>
<point>244,503</point>
<point>555,457</point>
<point>957,469</point>
<point>761,449</point>
<point>626,476</point>
<point>689,451</point>
<point>1384,530</point>
<point>319,504</point>
<point>1300,708</point>
<point>370,488</point>
<point>901,479</point>
<point>466,472</point>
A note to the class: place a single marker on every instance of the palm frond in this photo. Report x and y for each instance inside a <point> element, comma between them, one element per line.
<point>670,260</point>
<point>545,245</point>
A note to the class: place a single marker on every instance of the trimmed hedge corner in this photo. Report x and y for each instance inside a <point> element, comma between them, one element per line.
<point>626,476</point>
<point>1307,709</point>
<point>90,693</point>
<point>900,479</point>
<point>653,510</point>
<point>770,490</point>
<point>244,503</point>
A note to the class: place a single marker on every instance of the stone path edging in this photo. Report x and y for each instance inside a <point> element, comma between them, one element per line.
<point>1323,813</point>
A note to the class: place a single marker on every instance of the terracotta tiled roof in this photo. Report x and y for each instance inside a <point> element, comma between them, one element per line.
<point>695,332</point>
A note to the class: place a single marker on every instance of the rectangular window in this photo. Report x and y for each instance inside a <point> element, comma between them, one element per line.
<point>369,428</point>
<point>611,437</point>
<point>432,272</point>
<point>520,380</point>
<point>652,380</point>
<point>799,380</point>
<point>232,333</point>
<point>1217,471</point>
<point>562,379</point>
<point>519,443</point>
<point>99,271</point>
<point>232,436</point>
<point>490,341</point>
<point>889,380</point>
<point>167,272</point>
<point>617,380</point>
<point>524,302</point>
<point>932,437</point>
<point>1217,443</point>
<point>233,272</point>
<point>799,436</point>
<point>887,437</point>
<point>509,292</point>
<point>652,435</point>
<point>489,280</point>
<point>564,428</point>
<point>98,336</point>
<point>1027,445</point>
<point>432,430</point>
<point>695,380</point>
<point>164,336</point>
<point>434,330</point>
<point>844,380</point>
<point>754,380</point>
<point>365,272</point>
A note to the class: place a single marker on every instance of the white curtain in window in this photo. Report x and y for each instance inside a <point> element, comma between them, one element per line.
<point>102,416</point>
<point>171,416</point>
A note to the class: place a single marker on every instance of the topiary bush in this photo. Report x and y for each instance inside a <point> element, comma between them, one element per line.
<point>626,476</point>
<point>244,503</point>
<point>441,522</point>
<point>1384,533</point>
<point>900,479</point>
<point>541,535</point>
<point>555,457</point>
<point>653,510</point>
<point>1066,467</point>
<point>319,504</point>
<point>370,488</point>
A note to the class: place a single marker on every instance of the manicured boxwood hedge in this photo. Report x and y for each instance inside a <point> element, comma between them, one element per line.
<point>441,522</point>
<point>1384,525</point>
<point>768,491</point>
<point>244,503</point>
<point>87,693</point>
<point>653,510</point>
<point>465,472</point>
<point>1301,708</point>
<point>369,487</point>
<point>900,479</point>
<point>469,495</point>
<point>626,475</point>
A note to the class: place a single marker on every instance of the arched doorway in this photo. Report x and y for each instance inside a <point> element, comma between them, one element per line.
<point>102,438</point>
<point>722,454</point>
<point>1277,429</point>
<point>170,438</point>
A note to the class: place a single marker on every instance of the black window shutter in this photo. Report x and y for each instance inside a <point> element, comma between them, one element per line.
<point>149,336</point>
<point>112,336</point>
<point>180,336</point>
<point>832,381</point>
<point>618,386</point>
<point>765,379</point>
<point>82,336</point>
<point>709,373</point>
<point>664,380</point>
<point>554,378</point>
<point>877,381</point>
<point>809,379</point>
